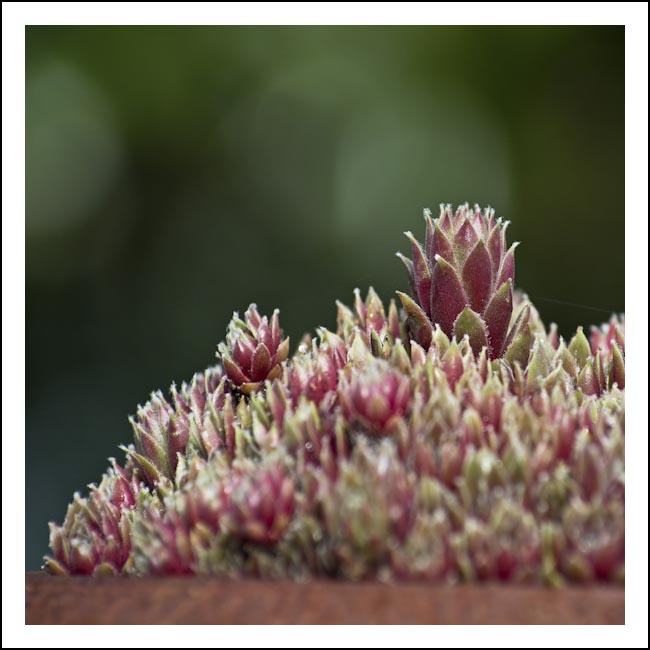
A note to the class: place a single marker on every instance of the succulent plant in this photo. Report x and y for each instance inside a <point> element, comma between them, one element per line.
<point>369,319</point>
<point>462,280</point>
<point>593,541</point>
<point>377,396</point>
<point>367,509</point>
<point>258,505</point>
<point>458,441</point>
<point>254,350</point>
<point>159,435</point>
<point>314,373</point>
<point>95,537</point>
<point>505,547</point>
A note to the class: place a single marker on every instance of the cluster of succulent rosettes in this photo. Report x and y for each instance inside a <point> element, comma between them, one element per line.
<point>369,320</point>
<point>608,343</point>
<point>220,507</point>
<point>162,429</point>
<point>95,538</point>
<point>254,350</point>
<point>462,280</point>
<point>372,452</point>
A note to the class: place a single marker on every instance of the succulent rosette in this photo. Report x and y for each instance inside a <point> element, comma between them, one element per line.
<point>159,435</point>
<point>369,318</point>
<point>254,350</point>
<point>257,506</point>
<point>462,280</point>
<point>314,373</point>
<point>95,537</point>
<point>460,440</point>
<point>377,396</point>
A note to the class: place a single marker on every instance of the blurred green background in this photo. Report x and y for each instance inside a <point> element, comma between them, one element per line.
<point>175,174</point>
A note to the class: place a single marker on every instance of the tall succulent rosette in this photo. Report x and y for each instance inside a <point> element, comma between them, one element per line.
<point>461,279</point>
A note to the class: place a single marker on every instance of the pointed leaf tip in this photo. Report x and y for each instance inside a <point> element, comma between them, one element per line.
<point>477,277</point>
<point>464,240</point>
<point>471,324</point>
<point>617,370</point>
<point>497,318</point>
<point>519,342</point>
<point>437,243</point>
<point>448,297</point>
<point>579,347</point>
<point>421,274</point>
<point>507,269</point>
<point>418,324</point>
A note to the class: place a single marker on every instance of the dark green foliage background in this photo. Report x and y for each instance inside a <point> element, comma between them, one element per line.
<point>175,174</point>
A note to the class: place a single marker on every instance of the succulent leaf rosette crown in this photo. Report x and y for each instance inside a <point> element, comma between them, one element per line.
<point>254,349</point>
<point>462,279</point>
<point>460,440</point>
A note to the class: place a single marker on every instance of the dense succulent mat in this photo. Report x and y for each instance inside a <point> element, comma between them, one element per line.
<point>458,441</point>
